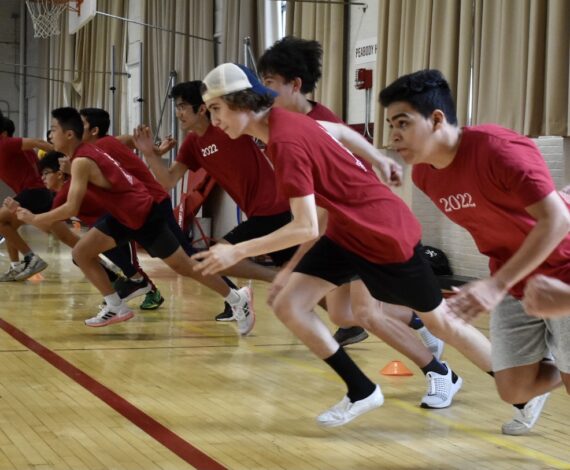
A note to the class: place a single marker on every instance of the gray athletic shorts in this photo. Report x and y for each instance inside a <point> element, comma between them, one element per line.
<point>518,339</point>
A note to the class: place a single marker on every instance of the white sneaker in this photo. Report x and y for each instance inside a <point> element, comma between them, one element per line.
<point>11,274</point>
<point>440,389</point>
<point>32,266</point>
<point>433,343</point>
<point>108,316</point>
<point>345,411</point>
<point>524,419</point>
<point>243,311</point>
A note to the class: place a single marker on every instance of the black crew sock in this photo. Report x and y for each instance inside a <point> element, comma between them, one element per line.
<point>416,322</point>
<point>359,386</point>
<point>520,406</point>
<point>439,368</point>
<point>229,282</point>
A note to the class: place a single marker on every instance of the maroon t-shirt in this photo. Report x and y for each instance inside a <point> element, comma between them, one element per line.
<point>18,168</point>
<point>494,176</point>
<point>127,200</point>
<point>365,216</point>
<point>239,166</point>
<point>90,210</point>
<point>133,165</point>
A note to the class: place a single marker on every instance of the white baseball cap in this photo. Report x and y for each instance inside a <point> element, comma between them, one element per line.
<point>230,78</point>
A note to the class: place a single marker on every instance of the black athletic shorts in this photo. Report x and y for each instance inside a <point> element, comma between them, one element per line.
<point>37,200</point>
<point>259,226</point>
<point>166,208</point>
<point>154,235</point>
<point>411,283</point>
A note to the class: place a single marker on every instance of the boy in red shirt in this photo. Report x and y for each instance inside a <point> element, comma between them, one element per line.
<point>133,215</point>
<point>19,171</point>
<point>494,183</point>
<point>292,67</point>
<point>371,233</point>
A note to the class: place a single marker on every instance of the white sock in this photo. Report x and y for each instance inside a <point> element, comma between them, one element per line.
<point>233,297</point>
<point>14,263</point>
<point>138,277</point>
<point>113,300</point>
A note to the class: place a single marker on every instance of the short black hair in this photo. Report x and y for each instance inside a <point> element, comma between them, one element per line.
<point>7,125</point>
<point>189,92</point>
<point>70,120</point>
<point>50,161</point>
<point>293,57</point>
<point>425,90</point>
<point>97,117</point>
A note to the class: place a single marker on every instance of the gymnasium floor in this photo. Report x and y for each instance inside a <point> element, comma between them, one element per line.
<point>173,389</point>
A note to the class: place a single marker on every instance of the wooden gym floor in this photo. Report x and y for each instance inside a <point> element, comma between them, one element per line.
<point>173,389</point>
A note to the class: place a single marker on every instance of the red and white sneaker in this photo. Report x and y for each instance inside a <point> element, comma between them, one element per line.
<point>109,315</point>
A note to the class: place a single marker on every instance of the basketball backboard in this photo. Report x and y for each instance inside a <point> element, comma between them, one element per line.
<point>81,13</point>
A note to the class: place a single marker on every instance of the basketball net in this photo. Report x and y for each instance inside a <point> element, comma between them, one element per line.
<point>45,16</point>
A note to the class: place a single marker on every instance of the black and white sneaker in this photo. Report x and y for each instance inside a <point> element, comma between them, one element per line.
<point>129,290</point>
<point>346,336</point>
<point>227,314</point>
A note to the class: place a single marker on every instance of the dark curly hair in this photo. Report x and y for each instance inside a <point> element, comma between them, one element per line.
<point>293,57</point>
<point>426,91</point>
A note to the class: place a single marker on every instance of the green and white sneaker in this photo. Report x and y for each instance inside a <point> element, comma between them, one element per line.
<point>152,300</point>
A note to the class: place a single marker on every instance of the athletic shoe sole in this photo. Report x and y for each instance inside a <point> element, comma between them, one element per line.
<point>110,321</point>
<point>354,339</point>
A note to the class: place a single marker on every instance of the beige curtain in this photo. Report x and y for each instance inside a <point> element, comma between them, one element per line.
<point>522,65</point>
<point>86,56</point>
<point>323,23</point>
<point>420,34</point>
<point>239,19</point>
<point>165,52</point>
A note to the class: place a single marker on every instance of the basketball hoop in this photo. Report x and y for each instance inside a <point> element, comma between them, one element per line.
<point>45,15</point>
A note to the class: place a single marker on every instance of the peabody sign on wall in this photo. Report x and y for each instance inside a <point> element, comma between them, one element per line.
<point>365,51</point>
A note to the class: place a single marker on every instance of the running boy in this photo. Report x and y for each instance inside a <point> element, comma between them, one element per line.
<point>370,233</point>
<point>494,183</point>
<point>133,215</point>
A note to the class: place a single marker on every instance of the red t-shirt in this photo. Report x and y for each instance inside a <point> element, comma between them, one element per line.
<point>365,216</point>
<point>18,168</point>
<point>133,165</point>
<point>89,212</point>
<point>239,166</point>
<point>496,173</point>
<point>322,113</point>
<point>127,200</point>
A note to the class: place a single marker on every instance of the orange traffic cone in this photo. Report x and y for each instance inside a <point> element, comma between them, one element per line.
<point>36,277</point>
<point>396,368</point>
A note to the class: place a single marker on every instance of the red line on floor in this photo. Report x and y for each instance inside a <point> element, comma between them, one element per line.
<point>153,428</point>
